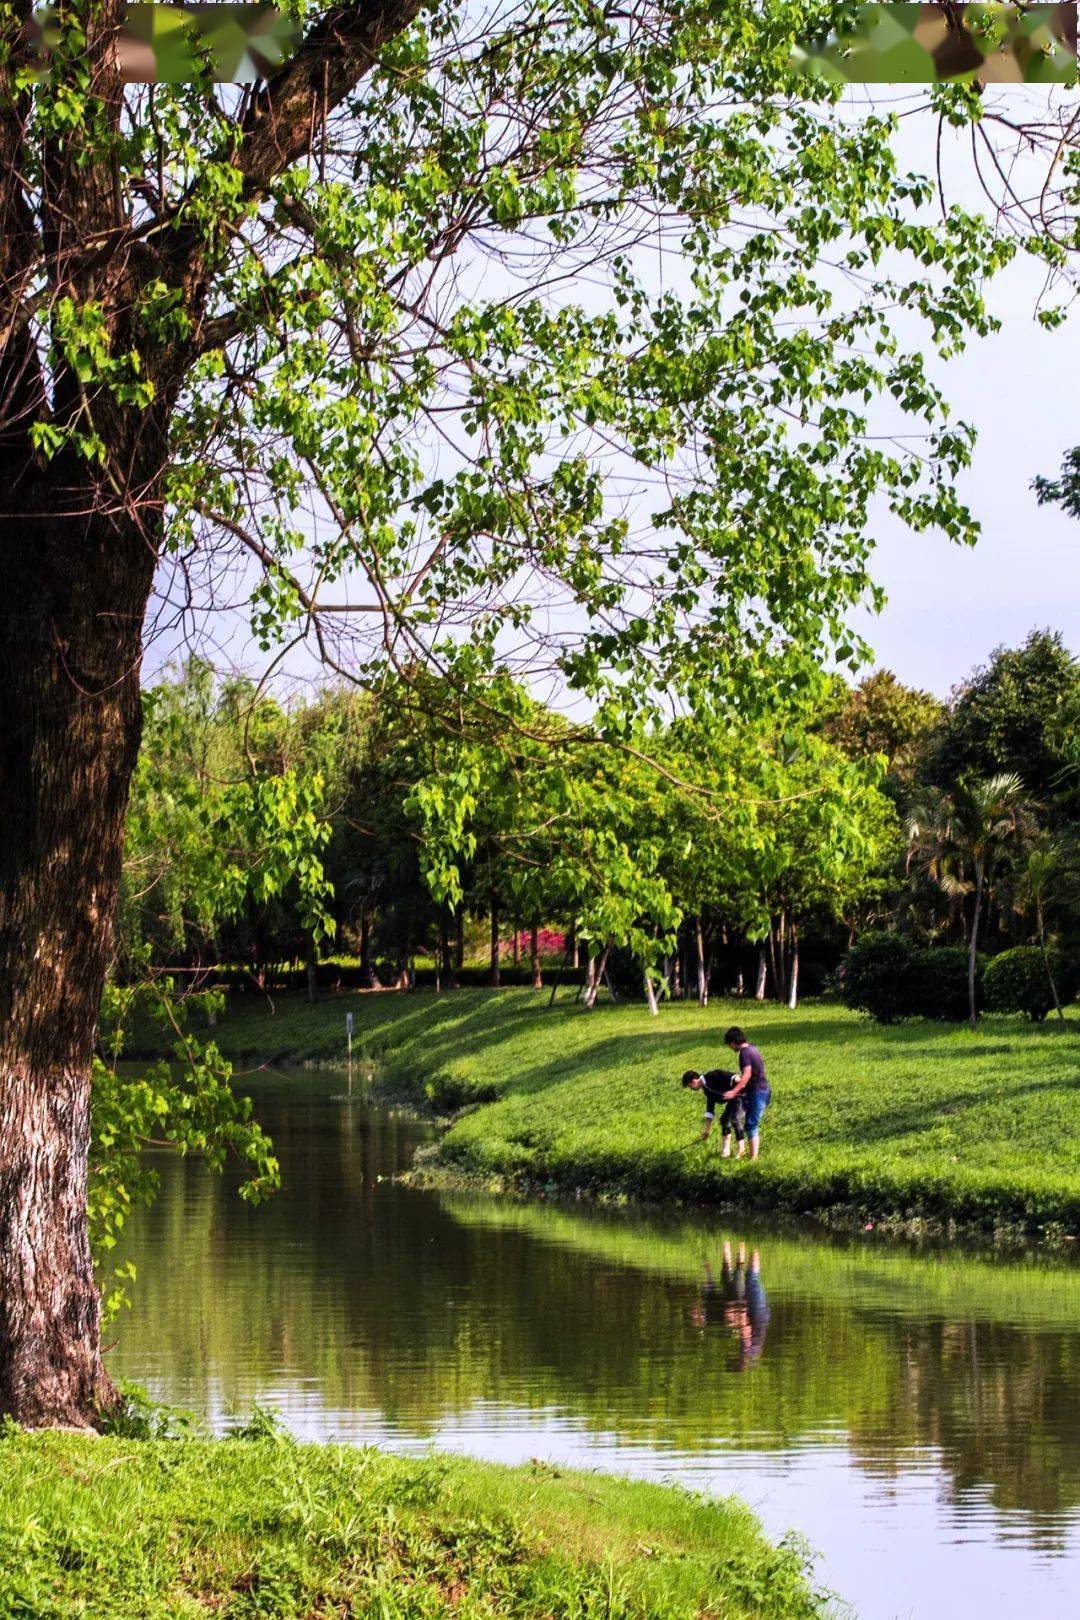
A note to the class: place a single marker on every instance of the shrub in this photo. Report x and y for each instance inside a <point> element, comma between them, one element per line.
<point>886,976</point>
<point>1016,981</point>
<point>938,983</point>
<point>875,976</point>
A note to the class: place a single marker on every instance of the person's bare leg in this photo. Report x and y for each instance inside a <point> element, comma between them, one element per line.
<point>741,1150</point>
<point>725,1147</point>
<point>755,1146</point>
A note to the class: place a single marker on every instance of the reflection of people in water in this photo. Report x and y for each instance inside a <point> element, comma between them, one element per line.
<point>738,1302</point>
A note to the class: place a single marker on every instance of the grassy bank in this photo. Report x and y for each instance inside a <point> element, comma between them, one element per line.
<point>922,1122</point>
<point>141,1530</point>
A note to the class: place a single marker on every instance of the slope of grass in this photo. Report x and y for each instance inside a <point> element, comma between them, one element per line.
<point>919,1122</point>
<point>144,1529</point>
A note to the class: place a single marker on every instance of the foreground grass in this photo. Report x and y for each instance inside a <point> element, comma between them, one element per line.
<point>923,1122</point>
<point>137,1530</point>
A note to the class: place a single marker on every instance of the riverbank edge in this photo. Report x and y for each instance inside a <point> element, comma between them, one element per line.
<point>840,1219</point>
<point>925,1208</point>
<point>177,1526</point>
<point>919,1205</point>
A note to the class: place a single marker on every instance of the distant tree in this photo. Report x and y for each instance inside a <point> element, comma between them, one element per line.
<point>882,716</point>
<point>1006,718</point>
<point>1043,883</point>
<point>963,838</point>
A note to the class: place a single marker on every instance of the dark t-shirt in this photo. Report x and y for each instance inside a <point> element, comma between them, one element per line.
<point>717,1081</point>
<point>750,1055</point>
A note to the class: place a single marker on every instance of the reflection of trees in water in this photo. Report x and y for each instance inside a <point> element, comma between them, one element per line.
<point>415,1308</point>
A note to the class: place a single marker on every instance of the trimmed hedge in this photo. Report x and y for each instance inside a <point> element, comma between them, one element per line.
<point>888,977</point>
<point>1017,982</point>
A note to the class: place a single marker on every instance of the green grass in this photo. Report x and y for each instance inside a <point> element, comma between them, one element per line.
<point>921,1122</point>
<point>144,1529</point>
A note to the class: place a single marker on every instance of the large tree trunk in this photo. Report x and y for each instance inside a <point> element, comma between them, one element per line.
<point>71,614</point>
<point>793,973</point>
<point>762,974</point>
<point>534,957</point>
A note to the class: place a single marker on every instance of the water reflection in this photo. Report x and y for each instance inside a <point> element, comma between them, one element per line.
<point>918,1411</point>
<point>737,1302</point>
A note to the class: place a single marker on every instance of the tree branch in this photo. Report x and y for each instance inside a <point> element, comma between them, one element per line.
<point>336,54</point>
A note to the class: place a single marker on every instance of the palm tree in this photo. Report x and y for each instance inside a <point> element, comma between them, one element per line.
<point>963,837</point>
<point>1042,879</point>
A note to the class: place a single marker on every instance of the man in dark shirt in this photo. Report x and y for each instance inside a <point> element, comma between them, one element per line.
<point>717,1084</point>
<point>751,1086</point>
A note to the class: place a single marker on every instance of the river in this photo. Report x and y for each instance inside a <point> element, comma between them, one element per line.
<point>913,1412</point>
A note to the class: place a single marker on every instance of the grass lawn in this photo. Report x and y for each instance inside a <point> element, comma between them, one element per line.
<point>918,1122</point>
<point>148,1529</point>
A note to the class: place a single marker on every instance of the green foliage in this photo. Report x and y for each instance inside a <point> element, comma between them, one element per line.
<point>137,1416</point>
<point>312,331</point>
<point>228,814</point>
<point>172,1528</point>
<point>938,983</point>
<point>889,977</point>
<point>185,1102</point>
<point>1019,981</point>
<point>874,976</point>
<point>882,717</point>
<point>1007,717</point>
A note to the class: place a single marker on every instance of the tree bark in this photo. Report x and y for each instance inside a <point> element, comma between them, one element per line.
<point>702,976</point>
<point>71,617</point>
<point>973,944</point>
<point>534,957</point>
<point>597,970</point>
<point>459,938</point>
<point>367,970</point>
<point>311,969</point>
<point>1041,924</point>
<point>494,979</point>
<point>449,954</point>
<point>793,975</point>
<point>650,994</point>
<point>762,974</point>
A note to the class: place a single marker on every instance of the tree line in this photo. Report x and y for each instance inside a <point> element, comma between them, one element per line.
<point>393,835</point>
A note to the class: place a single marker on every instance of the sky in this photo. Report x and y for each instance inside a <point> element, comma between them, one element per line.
<point>950,606</point>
